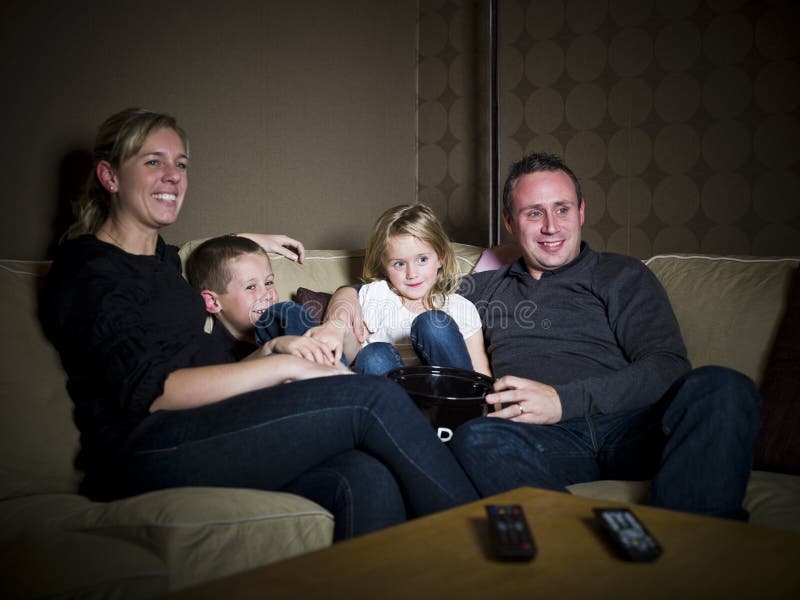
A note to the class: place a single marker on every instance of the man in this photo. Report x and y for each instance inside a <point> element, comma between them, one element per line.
<point>592,371</point>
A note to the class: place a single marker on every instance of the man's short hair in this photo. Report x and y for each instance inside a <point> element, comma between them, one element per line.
<point>208,266</point>
<point>534,163</point>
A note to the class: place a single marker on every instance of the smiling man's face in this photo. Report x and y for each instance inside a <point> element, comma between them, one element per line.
<point>546,219</point>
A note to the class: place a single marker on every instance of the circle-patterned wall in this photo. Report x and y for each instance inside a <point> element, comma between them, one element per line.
<point>680,116</point>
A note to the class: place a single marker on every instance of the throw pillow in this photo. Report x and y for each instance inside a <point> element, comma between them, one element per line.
<point>778,445</point>
<point>314,302</point>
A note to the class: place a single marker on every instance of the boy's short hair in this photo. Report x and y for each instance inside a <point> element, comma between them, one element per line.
<point>208,266</point>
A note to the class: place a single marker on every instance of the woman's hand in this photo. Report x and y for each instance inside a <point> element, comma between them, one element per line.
<point>278,244</point>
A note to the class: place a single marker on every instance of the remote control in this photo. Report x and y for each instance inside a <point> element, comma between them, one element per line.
<point>509,534</point>
<point>630,537</point>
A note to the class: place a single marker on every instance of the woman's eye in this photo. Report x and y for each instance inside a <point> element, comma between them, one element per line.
<point>152,162</point>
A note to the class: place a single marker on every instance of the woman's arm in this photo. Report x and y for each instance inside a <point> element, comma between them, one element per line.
<point>477,352</point>
<point>279,244</point>
<point>197,386</point>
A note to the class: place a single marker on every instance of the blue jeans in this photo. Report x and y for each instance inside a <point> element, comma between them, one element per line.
<point>358,489</point>
<point>435,338</point>
<point>696,444</point>
<point>296,435</point>
<point>283,318</point>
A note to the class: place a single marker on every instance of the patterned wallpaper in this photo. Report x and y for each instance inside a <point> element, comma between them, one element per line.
<point>681,117</point>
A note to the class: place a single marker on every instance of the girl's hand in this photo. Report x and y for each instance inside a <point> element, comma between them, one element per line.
<point>303,347</point>
<point>279,244</point>
<point>331,335</point>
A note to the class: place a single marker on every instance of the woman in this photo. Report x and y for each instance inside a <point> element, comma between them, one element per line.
<point>160,404</point>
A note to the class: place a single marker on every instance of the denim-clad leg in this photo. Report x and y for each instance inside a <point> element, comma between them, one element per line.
<point>377,358</point>
<point>283,318</point>
<point>711,424</point>
<point>267,438</point>
<point>697,442</point>
<point>437,340</point>
<point>360,492</point>
<point>499,455</point>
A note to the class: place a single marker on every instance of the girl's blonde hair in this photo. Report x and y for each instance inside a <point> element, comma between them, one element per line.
<point>120,137</point>
<point>419,221</point>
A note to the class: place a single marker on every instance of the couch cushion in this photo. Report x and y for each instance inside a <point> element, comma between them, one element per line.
<point>204,533</point>
<point>778,445</point>
<point>38,440</point>
<point>66,564</point>
<point>728,308</point>
<point>772,499</point>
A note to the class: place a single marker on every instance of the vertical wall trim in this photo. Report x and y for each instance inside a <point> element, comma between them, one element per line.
<point>494,133</point>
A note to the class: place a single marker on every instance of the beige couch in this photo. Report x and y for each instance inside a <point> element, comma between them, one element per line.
<point>55,543</point>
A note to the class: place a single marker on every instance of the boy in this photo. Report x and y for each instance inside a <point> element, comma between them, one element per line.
<point>235,278</point>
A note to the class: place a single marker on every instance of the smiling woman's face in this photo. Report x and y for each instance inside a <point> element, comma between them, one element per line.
<point>150,185</point>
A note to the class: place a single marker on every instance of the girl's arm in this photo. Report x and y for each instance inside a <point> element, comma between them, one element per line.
<point>196,386</point>
<point>477,352</point>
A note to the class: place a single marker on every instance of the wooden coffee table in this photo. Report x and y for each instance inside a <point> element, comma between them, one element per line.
<point>446,555</point>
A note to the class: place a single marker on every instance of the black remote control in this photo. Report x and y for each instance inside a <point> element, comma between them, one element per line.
<point>509,533</point>
<point>630,537</point>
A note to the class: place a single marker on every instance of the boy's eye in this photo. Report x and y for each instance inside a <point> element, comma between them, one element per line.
<point>250,287</point>
<point>269,283</point>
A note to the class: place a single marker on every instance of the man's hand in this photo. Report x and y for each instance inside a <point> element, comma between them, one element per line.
<point>525,400</point>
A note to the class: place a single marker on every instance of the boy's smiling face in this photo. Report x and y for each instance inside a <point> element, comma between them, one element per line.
<point>250,292</point>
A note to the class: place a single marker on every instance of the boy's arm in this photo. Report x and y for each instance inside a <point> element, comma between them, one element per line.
<point>338,337</point>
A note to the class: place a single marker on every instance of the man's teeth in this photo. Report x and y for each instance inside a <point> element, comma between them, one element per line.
<point>165,197</point>
<point>551,243</point>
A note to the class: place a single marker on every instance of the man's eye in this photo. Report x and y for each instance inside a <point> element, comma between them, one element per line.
<point>182,166</point>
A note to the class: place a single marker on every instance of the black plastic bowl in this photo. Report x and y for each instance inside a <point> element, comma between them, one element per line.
<point>446,396</point>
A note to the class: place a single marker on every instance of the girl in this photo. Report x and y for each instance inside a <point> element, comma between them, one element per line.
<point>410,307</point>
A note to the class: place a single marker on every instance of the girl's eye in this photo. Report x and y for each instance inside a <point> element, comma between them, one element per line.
<point>398,264</point>
<point>423,260</point>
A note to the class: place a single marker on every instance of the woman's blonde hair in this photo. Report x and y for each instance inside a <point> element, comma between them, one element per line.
<point>419,221</point>
<point>120,136</point>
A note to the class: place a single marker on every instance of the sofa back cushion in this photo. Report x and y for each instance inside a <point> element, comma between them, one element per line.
<point>38,440</point>
<point>729,308</point>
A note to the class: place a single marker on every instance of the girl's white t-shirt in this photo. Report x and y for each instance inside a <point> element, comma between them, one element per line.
<point>387,320</point>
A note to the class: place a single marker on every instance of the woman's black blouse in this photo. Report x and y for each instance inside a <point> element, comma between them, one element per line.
<point>122,323</point>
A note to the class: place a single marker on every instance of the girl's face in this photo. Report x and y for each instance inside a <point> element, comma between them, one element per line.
<point>412,267</point>
<point>150,185</point>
